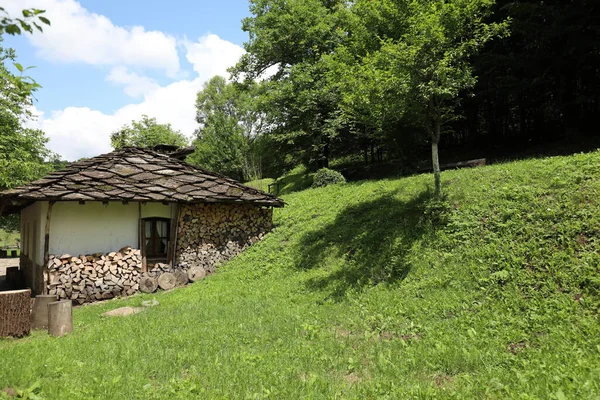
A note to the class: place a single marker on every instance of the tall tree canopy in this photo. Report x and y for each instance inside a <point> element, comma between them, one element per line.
<point>227,140</point>
<point>147,133</point>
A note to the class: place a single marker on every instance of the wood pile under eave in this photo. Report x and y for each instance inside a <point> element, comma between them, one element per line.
<point>94,277</point>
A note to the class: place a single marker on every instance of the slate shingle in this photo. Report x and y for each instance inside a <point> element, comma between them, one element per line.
<point>136,174</point>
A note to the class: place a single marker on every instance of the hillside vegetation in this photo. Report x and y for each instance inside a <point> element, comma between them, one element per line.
<point>367,290</point>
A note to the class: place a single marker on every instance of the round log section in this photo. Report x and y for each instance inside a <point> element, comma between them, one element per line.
<point>39,314</point>
<point>181,277</point>
<point>167,281</point>
<point>148,284</point>
<point>196,273</point>
<point>60,317</point>
<point>14,313</point>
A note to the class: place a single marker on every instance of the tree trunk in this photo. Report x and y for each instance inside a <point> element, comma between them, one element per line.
<point>60,317</point>
<point>39,314</point>
<point>435,159</point>
<point>14,313</point>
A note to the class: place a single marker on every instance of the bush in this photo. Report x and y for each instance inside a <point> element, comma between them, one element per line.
<point>326,176</point>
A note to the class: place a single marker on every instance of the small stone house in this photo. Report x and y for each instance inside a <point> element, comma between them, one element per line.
<point>91,230</point>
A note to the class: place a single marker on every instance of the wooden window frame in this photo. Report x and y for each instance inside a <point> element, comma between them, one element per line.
<point>146,251</point>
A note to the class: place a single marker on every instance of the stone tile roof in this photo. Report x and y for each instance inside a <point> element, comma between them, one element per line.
<point>136,174</point>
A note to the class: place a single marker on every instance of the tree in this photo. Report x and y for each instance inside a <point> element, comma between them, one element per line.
<point>32,18</point>
<point>227,139</point>
<point>147,133</point>
<point>424,71</point>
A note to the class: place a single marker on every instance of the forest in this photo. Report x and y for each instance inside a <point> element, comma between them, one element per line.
<point>404,84</point>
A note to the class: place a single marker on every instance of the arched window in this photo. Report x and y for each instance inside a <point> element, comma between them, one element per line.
<point>156,237</point>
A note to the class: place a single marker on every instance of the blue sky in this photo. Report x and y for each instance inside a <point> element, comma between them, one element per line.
<point>103,63</point>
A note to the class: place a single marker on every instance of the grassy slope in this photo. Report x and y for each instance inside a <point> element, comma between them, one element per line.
<point>358,293</point>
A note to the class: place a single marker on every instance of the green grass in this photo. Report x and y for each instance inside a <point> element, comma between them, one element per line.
<point>295,180</point>
<point>261,184</point>
<point>8,238</point>
<point>367,290</point>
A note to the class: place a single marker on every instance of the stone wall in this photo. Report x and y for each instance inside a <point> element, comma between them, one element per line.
<point>87,278</point>
<point>32,275</point>
<point>209,234</point>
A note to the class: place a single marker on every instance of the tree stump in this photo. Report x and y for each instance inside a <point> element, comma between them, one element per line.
<point>60,317</point>
<point>39,314</point>
<point>196,273</point>
<point>148,284</point>
<point>14,313</point>
<point>167,281</point>
<point>181,278</point>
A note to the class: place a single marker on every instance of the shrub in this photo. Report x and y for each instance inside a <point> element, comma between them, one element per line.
<point>326,176</point>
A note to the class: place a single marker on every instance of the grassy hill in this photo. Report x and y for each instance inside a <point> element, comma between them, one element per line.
<point>367,290</point>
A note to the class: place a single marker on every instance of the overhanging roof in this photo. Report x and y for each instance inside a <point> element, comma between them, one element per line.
<point>134,174</point>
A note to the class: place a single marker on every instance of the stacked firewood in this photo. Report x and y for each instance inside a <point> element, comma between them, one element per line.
<point>94,277</point>
<point>210,234</point>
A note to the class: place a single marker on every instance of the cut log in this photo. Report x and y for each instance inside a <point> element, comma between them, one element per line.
<point>148,284</point>
<point>39,314</point>
<point>167,281</point>
<point>14,313</point>
<point>60,317</point>
<point>196,273</point>
<point>181,278</point>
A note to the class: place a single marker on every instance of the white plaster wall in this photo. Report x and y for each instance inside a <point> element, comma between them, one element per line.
<point>94,227</point>
<point>30,233</point>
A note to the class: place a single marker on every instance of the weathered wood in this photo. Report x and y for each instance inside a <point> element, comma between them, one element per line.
<point>60,317</point>
<point>47,246</point>
<point>181,277</point>
<point>148,284</point>
<point>14,313</point>
<point>196,273</point>
<point>39,313</point>
<point>143,245</point>
<point>167,281</point>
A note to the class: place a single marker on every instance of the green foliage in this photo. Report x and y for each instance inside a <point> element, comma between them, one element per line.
<point>326,176</point>
<point>32,19</point>
<point>147,133</point>
<point>357,293</point>
<point>228,140</point>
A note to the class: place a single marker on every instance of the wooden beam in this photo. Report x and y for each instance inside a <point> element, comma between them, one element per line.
<point>173,239</point>
<point>47,246</point>
<point>143,247</point>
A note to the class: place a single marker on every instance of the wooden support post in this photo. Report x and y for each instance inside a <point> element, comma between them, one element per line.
<point>47,247</point>
<point>143,246</point>
<point>60,317</point>
<point>173,239</point>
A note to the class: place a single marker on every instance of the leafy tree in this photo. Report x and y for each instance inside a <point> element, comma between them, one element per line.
<point>227,139</point>
<point>32,19</point>
<point>147,133</point>
<point>422,70</point>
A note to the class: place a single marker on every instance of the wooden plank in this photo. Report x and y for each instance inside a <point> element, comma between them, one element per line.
<point>143,245</point>
<point>171,259</point>
<point>47,246</point>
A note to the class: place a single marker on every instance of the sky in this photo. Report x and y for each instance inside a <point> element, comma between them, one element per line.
<point>104,63</point>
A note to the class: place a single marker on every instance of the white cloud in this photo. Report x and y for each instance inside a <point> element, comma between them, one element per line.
<point>77,132</point>
<point>134,85</point>
<point>211,55</point>
<point>78,35</point>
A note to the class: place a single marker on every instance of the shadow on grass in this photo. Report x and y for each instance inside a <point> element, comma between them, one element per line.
<point>294,183</point>
<point>373,238</point>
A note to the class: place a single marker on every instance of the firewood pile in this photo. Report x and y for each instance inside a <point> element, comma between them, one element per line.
<point>94,277</point>
<point>210,234</point>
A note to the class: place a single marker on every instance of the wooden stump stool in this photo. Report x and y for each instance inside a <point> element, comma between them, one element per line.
<point>14,313</point>
<point>60,317</point>
<point>39,314</point>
